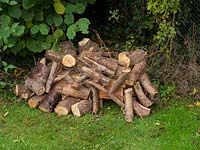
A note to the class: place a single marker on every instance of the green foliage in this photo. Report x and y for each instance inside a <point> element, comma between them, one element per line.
<point>39,25</point>
<point>7,67</point>
<point>164,12</point>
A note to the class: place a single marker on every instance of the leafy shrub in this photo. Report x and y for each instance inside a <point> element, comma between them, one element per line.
<point>37,25</point>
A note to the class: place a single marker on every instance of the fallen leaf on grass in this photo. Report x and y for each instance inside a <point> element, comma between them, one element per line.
<point>6,114</point>
<point>197,104</point>
<point>189,106</point>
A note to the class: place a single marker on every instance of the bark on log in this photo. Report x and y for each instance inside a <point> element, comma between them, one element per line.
<point>95,100</point>
<point>67,89</point>
<point>120,80</point>
<point>22,92</point>
<point>61,76</point>
<point>35,101</point>
<point>99,67</point>
<point>87,45</point>
<point>132,57</point>
<point>140,110</point>
<point>141,96</point>
<point>51,76</point>
<point>112,96</point>
<point>37,78</point>
<point>50,101</point>
<point>149,87</point>
<point>82,107</point>
<point>96,76</point>
<point>64,106</point>
<point>129,105</point>
<point>136,72</point>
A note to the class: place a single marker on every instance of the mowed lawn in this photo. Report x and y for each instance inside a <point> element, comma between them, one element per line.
<point>171,126</point>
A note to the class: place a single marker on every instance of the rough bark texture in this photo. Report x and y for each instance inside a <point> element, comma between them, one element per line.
<point>50,101</point>
<point>35,101</point>
<point>22,92</point>
<point>87,45</point>
<point>82,107</point>
<point>95,100</point>
<point>64,106</point>
<point>129,104</point>
<point>140,110</point>
<point>145,101</point>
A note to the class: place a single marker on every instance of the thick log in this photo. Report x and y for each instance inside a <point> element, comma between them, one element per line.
<point>69,60</point>
<point>35,85</point>
<point>22,92</point>
<point>129,104</point>
<point>67,89</point>
<point>136,72</point>
<point>88,45</point>
<point>120,80</point>
<point>64,106</point>
<point>149,87</point>
<point>51,76</point>
<point>61,76</point>
<point>111,95</point>
<point>37,78</point>
<point>82,107</point>
<point>35,101</point>
<point>50,101</point>
<point>140,110</point>
<point>96,76</point>
<point>132,57</point>
<point>145,101</point>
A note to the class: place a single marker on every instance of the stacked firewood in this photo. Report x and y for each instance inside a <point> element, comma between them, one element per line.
<point>77,80</point>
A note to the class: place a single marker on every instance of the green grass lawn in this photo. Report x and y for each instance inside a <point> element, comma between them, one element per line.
<point>170,127</point>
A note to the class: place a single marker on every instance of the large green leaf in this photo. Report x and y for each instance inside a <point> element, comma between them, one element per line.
<point>15,11</point>
<point>4,1</point>
<point>28,3</point>
<point>44,29</point>
<point>78,8</point>
<point>34,45</point>
<point>4,21</point>
<point>71,31</point>
<point>69,19</point>
<point>84,25</point>
<point>49,20</point>
<point>27,15</point>
<point>58,33</point>
<point>19,31</point>
<point>35,29</point>
<point>57,19</point>
<point>12,2</point>
<point>59,7</point>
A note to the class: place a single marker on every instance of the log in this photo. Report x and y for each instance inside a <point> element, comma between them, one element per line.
<point>61,76</point>
<point>67,89</point>
<point>87,45</point>
<point>22,92</point>
<point>64,106</point>
<point>129,105</point>
<point>82,107</point>
<point>132,57</point>
<point>35,101</point>
<point>136,72</point>
<point>100,67</point>
<point>145,101</point>
<point>37,78</point>
<point>35,85</point>
<point>96,76</point>
<point>140,110</point>
<point>149,87</point>
<point>120,80</point>
<point>112,96</point>
<point>51,100</point>
<point>95,100</point>
<point>69,60</point>
<point>51,76</point>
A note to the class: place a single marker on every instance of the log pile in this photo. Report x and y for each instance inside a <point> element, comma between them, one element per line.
<point>77,80</point>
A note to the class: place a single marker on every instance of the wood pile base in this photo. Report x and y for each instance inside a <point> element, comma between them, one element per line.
<point>77,80</point>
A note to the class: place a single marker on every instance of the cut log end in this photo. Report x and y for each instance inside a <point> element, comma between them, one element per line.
<point>69,61</point>
<point>140,110</point>
<point>124,59</point>
<point>61,111</point>
<point>82,107</point>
